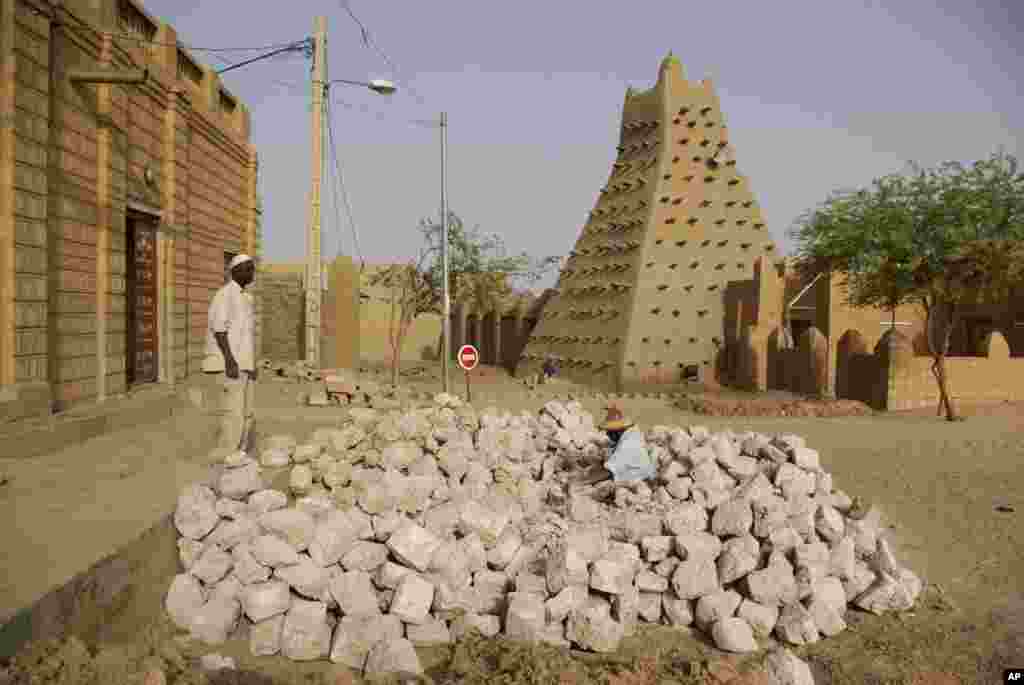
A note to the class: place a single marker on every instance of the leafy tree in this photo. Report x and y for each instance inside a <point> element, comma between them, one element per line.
<point>480,270</point>
<point>481,273</point>
<point>940,238</point>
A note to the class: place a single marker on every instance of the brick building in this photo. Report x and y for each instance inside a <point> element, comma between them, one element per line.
<point>120,202</point>
<point>640,300</point>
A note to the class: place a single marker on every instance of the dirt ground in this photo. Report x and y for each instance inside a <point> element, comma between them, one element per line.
<point>951,492</point>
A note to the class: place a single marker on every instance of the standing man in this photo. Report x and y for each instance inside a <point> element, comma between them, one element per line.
<point>231,350</point>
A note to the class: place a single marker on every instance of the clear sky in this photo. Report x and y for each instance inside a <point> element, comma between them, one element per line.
<point>818,95</point>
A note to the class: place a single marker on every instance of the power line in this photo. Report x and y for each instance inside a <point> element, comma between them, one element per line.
<point>341,181</point>
<point>294,87</point>
<point>369,42</point>
<point>334,187</point>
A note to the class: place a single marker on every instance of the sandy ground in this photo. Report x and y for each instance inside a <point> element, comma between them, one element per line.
<point>952,492</point>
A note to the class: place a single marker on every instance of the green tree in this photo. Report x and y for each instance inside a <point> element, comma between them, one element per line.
<point>480,270</point>
<point>481,273</point>
<point>940,238</point>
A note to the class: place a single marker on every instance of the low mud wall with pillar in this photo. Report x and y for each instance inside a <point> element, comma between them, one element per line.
<point>499,333</point>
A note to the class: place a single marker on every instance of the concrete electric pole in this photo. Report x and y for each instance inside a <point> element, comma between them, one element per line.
<point>314,268</point>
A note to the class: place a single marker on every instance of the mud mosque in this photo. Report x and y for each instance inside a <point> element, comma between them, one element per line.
<point>640,299</point>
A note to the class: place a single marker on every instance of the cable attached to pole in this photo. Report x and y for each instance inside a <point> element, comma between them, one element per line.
<point>294,47</point>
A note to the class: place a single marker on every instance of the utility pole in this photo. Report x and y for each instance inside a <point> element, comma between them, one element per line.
<point>446,303</point>
<point>314,277</point>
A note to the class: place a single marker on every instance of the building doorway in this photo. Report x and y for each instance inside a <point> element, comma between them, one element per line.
<point>140,301</point>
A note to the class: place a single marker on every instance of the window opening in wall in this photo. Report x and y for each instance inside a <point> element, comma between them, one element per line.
<point>680,243</point>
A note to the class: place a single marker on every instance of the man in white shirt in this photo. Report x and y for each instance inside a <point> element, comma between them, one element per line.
<point>231,351</point>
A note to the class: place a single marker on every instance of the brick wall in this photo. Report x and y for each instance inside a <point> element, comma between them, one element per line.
<point>283,317</point>
<point>84,156</point>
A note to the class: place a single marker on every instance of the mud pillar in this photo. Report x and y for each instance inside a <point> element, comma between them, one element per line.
<point>458,332</point>
<point>344,286</point>
<point>493,323</point>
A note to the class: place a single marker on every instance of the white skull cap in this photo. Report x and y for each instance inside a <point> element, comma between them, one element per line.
<point>239,259</point>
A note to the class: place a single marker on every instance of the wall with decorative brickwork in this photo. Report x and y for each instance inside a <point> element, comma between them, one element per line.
<point>81,158</point>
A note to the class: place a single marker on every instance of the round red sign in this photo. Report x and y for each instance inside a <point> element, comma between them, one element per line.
<point>468,357</point>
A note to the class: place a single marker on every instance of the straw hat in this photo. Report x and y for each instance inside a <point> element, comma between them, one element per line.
<point>615,420</point>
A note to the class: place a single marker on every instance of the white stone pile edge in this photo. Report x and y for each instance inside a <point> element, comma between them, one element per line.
<point>409,528</point>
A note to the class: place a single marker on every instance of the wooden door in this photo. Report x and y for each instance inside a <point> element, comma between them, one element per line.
<point>141,302</point>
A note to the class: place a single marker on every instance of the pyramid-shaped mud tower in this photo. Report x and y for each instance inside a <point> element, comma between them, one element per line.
<point>639,301</point>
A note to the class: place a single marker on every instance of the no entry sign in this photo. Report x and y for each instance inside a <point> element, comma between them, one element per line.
<point>468,357</point>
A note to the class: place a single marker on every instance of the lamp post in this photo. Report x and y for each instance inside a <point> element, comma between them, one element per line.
<point>446,303</point>
<point>314,262</point>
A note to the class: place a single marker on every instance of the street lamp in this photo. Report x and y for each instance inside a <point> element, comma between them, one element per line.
<point>379,86</point>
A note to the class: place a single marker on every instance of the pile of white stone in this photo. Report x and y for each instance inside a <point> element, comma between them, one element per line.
<point>404,529</point>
